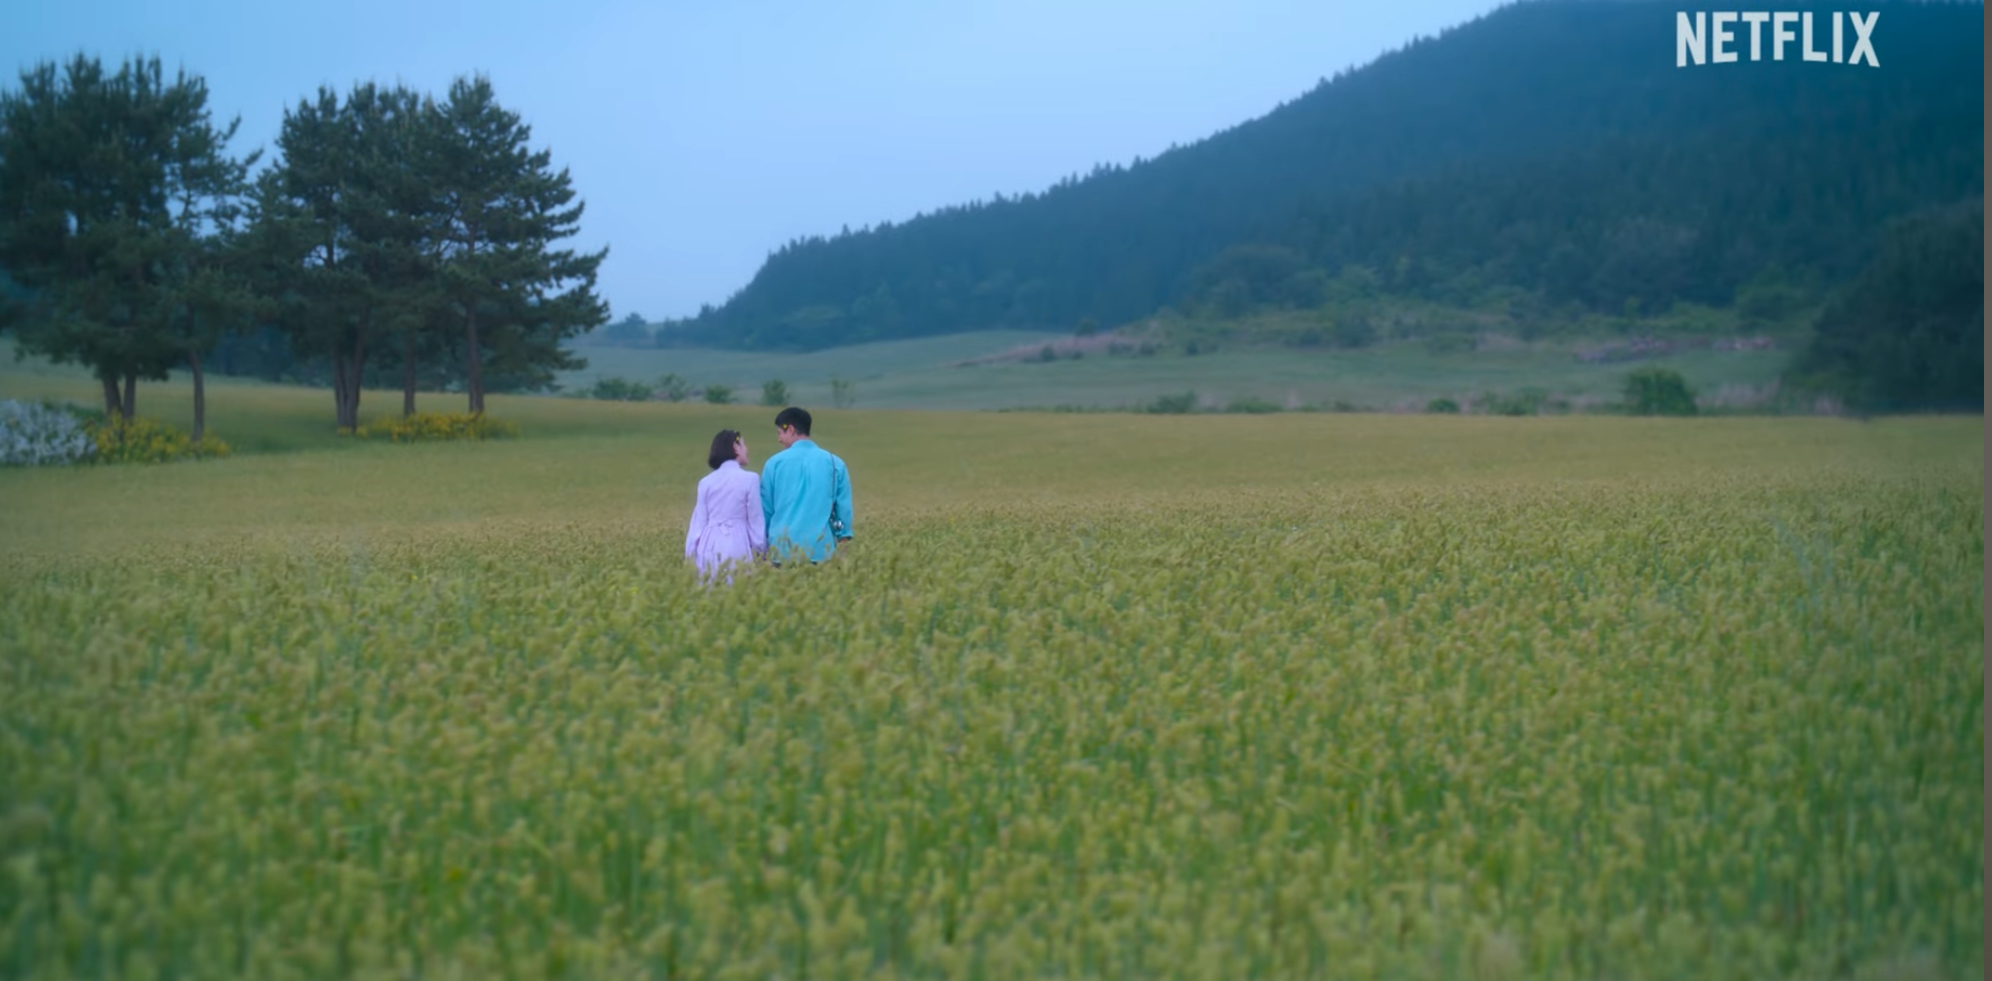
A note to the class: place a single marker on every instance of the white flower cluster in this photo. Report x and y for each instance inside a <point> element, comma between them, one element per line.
<point>33,435</point>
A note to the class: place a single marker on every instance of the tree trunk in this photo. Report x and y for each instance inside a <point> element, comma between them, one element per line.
<point>339,390</point>
<point>113,406</point>
<point>347,371</point>
<point>475,361</point>
<point>130,396</point>
<point>200,396</point>
<point>408,375</point>
<point>359,367</point>
<point>349,396</point>
<point>351,410</point>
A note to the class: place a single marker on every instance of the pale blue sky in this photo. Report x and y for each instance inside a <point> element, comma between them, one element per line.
<point>704,135</point>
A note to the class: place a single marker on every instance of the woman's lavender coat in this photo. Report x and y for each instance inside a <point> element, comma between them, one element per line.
<point>726,521</point>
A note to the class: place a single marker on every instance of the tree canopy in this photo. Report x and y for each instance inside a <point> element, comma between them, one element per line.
<point>1910,331</point>
<point>115,189</point>
<point>392,232</point>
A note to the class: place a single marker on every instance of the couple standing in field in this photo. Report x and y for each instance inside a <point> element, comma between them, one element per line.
<point>798,507</point>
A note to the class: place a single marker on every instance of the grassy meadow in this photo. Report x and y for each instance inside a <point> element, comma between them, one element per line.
<point>930,373</point>
<point>1090,696</point>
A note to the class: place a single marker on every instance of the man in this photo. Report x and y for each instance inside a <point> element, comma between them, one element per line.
<point>805,494</point>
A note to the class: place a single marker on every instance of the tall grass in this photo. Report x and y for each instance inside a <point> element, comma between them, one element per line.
<point>1089,696</point>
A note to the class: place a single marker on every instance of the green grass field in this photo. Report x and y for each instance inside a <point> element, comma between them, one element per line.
<point>923,374</point>
<point>1128,696</point>
<point>928,373</point>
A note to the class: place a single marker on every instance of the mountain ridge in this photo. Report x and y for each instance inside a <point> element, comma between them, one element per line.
<point>1540,95</point>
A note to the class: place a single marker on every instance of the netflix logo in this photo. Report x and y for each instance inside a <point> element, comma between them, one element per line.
<point>1719,37</point>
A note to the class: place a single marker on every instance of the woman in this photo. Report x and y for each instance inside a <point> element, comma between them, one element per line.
<point>726,520</point>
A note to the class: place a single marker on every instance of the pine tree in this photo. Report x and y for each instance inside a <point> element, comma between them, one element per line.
<point>518,297</point>
<point>343,225</point>
<point>112,188</point>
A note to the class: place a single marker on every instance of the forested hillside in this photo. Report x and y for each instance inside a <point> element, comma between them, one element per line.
<point>1551,148</point>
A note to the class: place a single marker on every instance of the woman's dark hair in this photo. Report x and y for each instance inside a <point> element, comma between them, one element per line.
<point>793,416</point>
<point>722,447</point>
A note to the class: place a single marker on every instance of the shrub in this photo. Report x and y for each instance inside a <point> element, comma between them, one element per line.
<point>1442,405</point>
<point>774,392</point>
<point>1353,331</point>
<point>842,393</point>
<point>674,388</point>
<point>1658,392</point>
<point>1253,405</point>
<point>1527,402</point>
<point>438,426</point>
<point>148,441</point>
<point>719,394</point>
<point>620,390</point>
<point>38,435</point>
<point>1174,404</point>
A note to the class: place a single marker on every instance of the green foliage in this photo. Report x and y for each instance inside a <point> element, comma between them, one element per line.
<point>143,440</point>
<point>1353,330</point>
<point>674,388</point>
<point>423,427</point>
<point>630,331</point>
<point>1527,401</point>
<point>719,394</point>
<point>1771,297</point>
<point>843,393</point>
<point>619,390</point>
<point>396,222</point>
<point>774,392</point>
<point>1910,332</point>
<point>116,198</point>
<point>1442,406</point>
<point>1174,404</point>
<point>1658,392</point>
<point>1252,405</point>
<point>505,209</point>
<point>1247,277</point>
<point>342,226</point>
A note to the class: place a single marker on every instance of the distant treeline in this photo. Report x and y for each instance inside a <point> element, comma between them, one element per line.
<point>1551,150</point>
<point>395,236</point>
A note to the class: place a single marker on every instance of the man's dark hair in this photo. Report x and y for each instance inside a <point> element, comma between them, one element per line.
<point>792,416</point>
<point>722,447</point>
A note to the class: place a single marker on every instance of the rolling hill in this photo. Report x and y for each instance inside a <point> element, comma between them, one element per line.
<point>1548,153</point>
